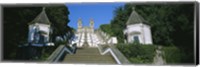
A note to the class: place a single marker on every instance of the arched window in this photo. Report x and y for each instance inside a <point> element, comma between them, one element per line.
<point>136,39</point>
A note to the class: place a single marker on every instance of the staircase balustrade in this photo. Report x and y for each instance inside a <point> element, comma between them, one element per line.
<point>61,51</point>
<point>103,49</point>
<point>117,55</point>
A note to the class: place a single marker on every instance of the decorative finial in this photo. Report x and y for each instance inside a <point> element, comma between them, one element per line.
<point>133,8</point>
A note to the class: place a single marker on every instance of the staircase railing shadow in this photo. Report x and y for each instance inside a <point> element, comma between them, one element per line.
<point>60,52</point>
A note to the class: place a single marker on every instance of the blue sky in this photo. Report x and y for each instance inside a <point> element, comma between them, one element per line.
<point>101,13</point>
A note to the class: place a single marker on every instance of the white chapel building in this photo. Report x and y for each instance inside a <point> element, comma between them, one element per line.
<point>137,29</point>
<point>40,23</point>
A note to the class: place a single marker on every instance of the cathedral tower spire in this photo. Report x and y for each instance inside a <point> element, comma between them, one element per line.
<point>91,23</point>
<point>79,23</point>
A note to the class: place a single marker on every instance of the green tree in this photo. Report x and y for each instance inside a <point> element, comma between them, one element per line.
<point>59,17</point>
<point>107,28</point>
<point>117,25</point>
<point>15,25</point>
<point>171,24</point>
<point>15,30</point>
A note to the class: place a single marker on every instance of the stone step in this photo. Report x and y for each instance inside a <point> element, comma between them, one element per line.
<point>89,59</point>
<point>89,55</point>
<point>93,54</point>
<point>81,59</point>
<point>90,62</point>
<point>88,51</point>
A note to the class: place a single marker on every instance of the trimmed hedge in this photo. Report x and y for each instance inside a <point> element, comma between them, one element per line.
<point>172,54</point>
<point>138,53</point>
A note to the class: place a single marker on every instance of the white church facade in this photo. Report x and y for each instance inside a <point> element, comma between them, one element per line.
<point>137,29</point>
<point>85,35</point>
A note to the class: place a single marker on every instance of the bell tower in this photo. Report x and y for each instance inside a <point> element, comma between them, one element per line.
<point>79,23</point>
<point>40,23</point>
<point>91,23</point>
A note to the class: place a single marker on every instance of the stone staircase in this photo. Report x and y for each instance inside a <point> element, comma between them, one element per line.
<point>89,56</point>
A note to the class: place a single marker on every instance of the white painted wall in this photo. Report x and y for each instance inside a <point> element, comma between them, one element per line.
<point>135,27</point>
<point>42,27</point>
<point>147,34</point>
<point>144,33</point>
<point>92,39</point>
<point>31,33</point>
<point>113,40</point>
<point>80,39</point>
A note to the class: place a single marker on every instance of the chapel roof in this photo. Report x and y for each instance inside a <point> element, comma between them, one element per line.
<point>41,18</point>
<point>135,18</point>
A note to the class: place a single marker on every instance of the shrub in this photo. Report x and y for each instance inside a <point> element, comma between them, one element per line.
<point>172,54</point>
<point>138,53</point>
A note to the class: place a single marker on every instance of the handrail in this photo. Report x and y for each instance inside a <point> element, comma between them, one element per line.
<point>104,38</point>
<point>56,55</point>
<point>106,51</point>
<point>117,55</point>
